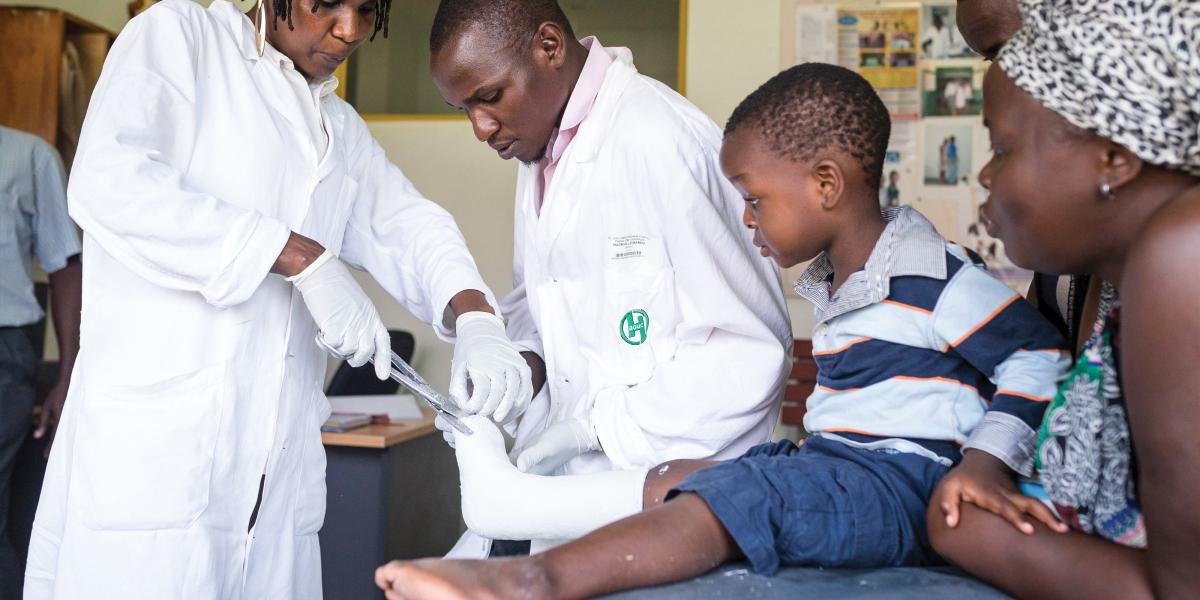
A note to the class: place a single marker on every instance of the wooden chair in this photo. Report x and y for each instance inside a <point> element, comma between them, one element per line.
<point>800,385</point>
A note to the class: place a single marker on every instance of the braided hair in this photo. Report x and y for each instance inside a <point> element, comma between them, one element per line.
<point>283,12</point>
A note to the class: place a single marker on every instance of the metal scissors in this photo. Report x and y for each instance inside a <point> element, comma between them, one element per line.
<point>403,373</point>
<point>408,377</point>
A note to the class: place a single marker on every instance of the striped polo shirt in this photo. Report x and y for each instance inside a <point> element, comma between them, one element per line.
<point>923,351</point>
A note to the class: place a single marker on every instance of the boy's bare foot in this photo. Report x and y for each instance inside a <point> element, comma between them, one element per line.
<point>464,579</point>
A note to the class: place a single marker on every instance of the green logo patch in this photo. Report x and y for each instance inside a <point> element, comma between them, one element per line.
<point>635,327</point>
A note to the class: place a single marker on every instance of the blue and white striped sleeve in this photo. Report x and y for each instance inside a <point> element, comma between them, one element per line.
<point>995,330</point>
<point>54,237</point>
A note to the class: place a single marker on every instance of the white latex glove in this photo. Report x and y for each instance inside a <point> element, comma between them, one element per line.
<point>350,326</point>
<point>501,380</point>
<point>446,428</point>
<point>557,445</point>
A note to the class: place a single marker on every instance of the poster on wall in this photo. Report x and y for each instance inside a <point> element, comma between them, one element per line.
<point>976,238</point>
<point>951,90</point>
<point>901,169</point>
<point>816,38</point>
<point>940,38</point>
<point>881,44</point>
<point>892,188</point>
<point>948,152</point>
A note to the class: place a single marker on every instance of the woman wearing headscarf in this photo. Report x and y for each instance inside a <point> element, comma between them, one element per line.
<point>1094,115</point>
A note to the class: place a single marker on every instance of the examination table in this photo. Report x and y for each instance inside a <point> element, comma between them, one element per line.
<point>736,581</point>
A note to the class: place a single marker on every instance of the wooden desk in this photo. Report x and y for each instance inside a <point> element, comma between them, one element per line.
<point>382,436</point>
<point>392,494</point>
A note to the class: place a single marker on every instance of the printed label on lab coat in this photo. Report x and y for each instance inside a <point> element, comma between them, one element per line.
<point>632,248</point>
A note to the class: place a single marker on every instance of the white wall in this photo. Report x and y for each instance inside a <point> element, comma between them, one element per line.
<point>734,47</point>
<point>448,165</point>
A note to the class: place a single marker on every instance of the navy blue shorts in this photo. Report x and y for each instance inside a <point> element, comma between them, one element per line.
<point>824,503</point>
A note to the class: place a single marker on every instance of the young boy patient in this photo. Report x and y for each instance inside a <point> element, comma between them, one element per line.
<point>920,353</point>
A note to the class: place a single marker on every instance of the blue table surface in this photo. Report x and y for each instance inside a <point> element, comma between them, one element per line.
<point>737,581</point>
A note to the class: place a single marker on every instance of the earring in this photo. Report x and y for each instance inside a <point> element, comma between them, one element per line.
<point>1106,191</point>
<point>260,27</point>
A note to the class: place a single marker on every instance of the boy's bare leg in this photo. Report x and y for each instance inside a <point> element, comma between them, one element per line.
<point>665,543</point>
<point>1045,564</point>
<point>664,477</point>
<point>674,541</point>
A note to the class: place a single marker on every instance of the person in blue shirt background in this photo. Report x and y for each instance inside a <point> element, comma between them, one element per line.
<point>33,224</point>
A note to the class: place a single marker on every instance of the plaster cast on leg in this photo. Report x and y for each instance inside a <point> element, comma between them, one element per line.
<point>501,502</point>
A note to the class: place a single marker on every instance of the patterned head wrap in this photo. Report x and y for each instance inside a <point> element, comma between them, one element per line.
<point>1128,70</point>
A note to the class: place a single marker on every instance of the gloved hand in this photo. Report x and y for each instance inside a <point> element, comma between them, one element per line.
<point>501,379</point>
<point>557,445</point>
<point>446,428</point>
<point>350,326</point>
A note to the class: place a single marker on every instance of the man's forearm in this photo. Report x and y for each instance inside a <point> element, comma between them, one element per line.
<point>464,302</point>
<point>469,301</point>
<point>537,368</point>
<point>66,298</point>
<point>297,255</point>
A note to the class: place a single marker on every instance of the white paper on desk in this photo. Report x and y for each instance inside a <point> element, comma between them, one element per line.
<point>398,407</point>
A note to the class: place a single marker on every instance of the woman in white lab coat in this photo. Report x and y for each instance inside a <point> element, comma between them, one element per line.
<point>213,164</point>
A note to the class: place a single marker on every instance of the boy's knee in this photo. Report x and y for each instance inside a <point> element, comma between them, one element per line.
<point>952,542</point>
<point>661,478</point>
<point>941,536</point>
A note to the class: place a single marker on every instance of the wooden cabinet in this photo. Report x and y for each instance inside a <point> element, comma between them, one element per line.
<point>52,60</point>
<point>392,493</point>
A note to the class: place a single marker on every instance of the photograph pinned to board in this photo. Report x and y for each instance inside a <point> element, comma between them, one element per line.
<point>878,42</point>
<point>900,60</point>
<point>901,167</point>
<point>977,238</point>
<point>940,38</point>
<point>948,150</point>
<point>816,38</point>
<point>951,91</point>
<point>890,194</point>
<point>904,104</point>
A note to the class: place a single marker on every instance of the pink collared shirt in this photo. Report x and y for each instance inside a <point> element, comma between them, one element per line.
<point>587,88</point>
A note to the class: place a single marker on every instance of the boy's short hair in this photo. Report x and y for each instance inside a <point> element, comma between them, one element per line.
<point>816,106</point>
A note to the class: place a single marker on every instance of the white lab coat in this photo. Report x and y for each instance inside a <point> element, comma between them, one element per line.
<point>198,371</point>
<point>639,217</point>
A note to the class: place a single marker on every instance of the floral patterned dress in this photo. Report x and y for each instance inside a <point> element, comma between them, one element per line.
<point>1085,455</point>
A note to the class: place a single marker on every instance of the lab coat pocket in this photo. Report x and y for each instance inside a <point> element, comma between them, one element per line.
<point>311,493</point>
<point>145,452</point>
<point>631,298</point>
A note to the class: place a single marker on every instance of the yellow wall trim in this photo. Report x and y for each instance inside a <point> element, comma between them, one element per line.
<point>412,117</point>
<point>683,45</point>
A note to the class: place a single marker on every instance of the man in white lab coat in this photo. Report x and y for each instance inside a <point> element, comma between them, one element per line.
<point>220,184</point>
<point>661,335</point>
